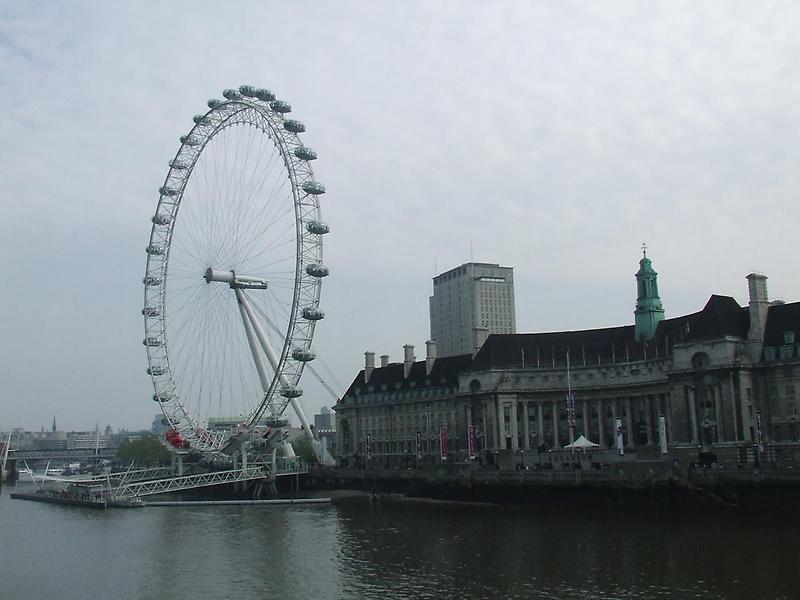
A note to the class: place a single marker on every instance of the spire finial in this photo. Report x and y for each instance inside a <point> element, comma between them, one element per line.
<point>644,249</point>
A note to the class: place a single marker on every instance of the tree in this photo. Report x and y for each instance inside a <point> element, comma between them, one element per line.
<point>302,448</point>
<point>145,451</point>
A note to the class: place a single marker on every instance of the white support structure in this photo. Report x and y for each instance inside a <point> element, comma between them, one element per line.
<point>273,360</point>
<point>174,484</point>
<point>251,341</point>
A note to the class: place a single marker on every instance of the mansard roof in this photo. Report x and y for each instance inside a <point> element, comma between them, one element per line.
<point>722,316</point>
<point>445,371</point>
<point>780,319</point>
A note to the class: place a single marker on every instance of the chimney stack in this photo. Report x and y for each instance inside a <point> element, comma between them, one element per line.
<point>384,360</point>
<point>759,305</point>
<point>369,365</point>
<point>430,355</point>
<point>408,360</point>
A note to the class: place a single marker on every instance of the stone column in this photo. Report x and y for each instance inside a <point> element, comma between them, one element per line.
<point>555,425</point>
<point>733,409</point>
<point>600,422</point>
<point>717,391</point>
<point>747,420</point>
<point>501,425</point>
<point>526,427</point>
<point>514,426</point>
<point>586,418</point>
<point>614,419</point>
<point>693,414</point>
<point>629,421</point>
<point>484,425</point>
<point>648,419</point>
<point>539,422</point>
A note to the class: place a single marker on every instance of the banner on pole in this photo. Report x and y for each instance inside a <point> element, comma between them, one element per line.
<point>759,433</point>
<point>620,439</point>
<point>472,442</point>
<point>419,445</point>
<point>369,446</point>
<point>443,444</point>
<point>662,434</point>
<point>571,410</point>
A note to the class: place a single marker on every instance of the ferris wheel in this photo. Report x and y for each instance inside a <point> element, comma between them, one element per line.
<point>234,271</point>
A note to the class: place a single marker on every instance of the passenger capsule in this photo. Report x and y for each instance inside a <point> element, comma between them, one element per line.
<point>188,140</point>
<point>162,397</point>
<point>168,191</point>
<point>155,371</point>
<point>247,90</point>
<point>313,187</point>
<point>151,341</point>
<point>312,313</point>
<point>151,311</point>
<point>161,219</point>
<point>294,126</point>
<point>291,391</point>
<point>304,153</point>
<point>151,281</point>
<point>265,95</point>
<point>317,270</point>
<point>317,227</point>
<point>202,120</point>
<point>303,354</point>
<point>276,421</point>
<point>232,94</point>
<point>176,164</point>
<point>154,250</point>
<point>280,106</point>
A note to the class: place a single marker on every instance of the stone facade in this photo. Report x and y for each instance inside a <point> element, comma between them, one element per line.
<point>724,379</point>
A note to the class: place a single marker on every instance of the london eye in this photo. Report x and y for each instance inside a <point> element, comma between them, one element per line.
<point>233,277</point>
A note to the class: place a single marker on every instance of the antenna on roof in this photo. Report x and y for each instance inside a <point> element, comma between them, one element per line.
<point>471,258</point>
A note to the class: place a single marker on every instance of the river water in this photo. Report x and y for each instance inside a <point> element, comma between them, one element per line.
<point>393,549</point>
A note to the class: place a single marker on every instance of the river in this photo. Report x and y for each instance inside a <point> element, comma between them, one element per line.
<point>393,549</point>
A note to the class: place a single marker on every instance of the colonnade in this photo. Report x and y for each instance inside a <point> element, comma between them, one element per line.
<point>511,421</point>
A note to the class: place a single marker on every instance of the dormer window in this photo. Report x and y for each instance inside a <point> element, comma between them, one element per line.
<point>788,337</point>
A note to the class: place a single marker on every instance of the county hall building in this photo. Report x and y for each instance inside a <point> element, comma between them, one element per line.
<point>721,380</point>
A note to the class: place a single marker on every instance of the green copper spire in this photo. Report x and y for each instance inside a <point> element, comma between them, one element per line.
<point>649,311</point>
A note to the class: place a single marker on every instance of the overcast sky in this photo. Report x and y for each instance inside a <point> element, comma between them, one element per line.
<point>554,137</point>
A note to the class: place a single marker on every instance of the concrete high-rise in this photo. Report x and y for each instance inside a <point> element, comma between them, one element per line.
<point>469,303</point>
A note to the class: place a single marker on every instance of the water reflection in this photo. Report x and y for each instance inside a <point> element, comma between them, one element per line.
<point>392,550</point>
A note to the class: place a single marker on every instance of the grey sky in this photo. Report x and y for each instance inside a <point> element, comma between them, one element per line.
<point>553,137</point>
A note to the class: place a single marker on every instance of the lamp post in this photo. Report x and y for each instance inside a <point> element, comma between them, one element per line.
<point>522,456</point>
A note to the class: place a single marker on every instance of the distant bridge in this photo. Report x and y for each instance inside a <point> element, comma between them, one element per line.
<point>62,455</point>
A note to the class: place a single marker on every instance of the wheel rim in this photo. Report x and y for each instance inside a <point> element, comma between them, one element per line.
<point>239,199</point>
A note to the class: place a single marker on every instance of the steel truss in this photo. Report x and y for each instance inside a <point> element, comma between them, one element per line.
<point>174,484</point>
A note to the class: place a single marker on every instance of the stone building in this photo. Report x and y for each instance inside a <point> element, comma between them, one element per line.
<point>722,380</point>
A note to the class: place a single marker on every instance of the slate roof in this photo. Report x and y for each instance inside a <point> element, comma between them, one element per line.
<point>444,370</point>
<point>720,317</point>
<point>781,318</point>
